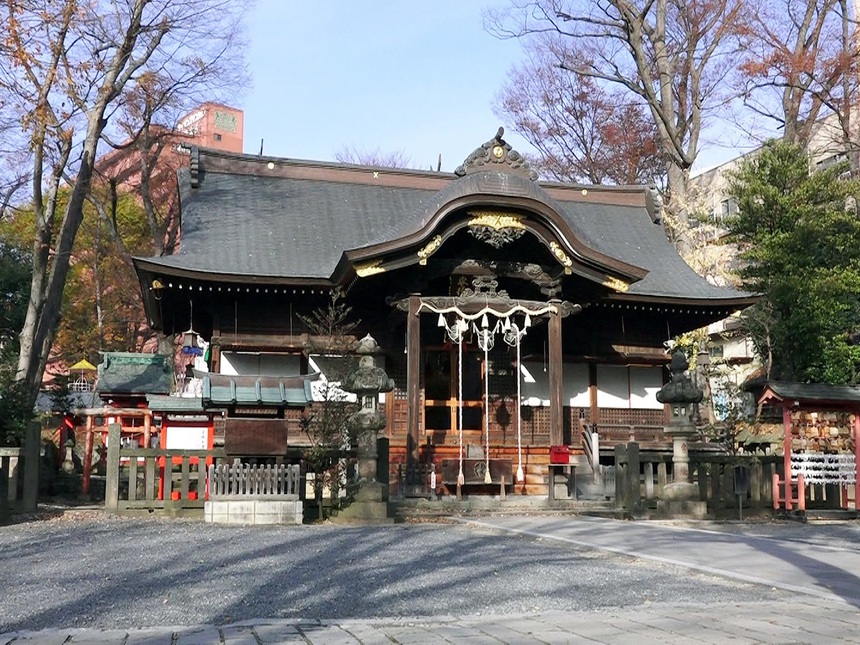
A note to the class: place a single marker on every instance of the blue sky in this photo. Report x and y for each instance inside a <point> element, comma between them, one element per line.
<point>416,77</point>
<point>395,76</point>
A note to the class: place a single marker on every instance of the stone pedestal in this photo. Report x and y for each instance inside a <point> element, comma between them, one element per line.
<point>688,508</point>
<point>680,491</point>
<point>367,507</point>
<point>680,488</point>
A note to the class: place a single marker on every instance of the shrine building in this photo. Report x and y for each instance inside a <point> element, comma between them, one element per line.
<point>512,313</point>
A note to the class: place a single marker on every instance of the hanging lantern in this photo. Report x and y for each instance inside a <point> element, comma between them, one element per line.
<point>441,322</point>
<point>190,344</point>
<point>189,341</point>
<point>528,322</point>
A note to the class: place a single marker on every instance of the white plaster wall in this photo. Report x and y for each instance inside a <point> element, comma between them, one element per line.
<point>248,363</point>
<point>645,382</point>
<point>612,387</point>
<point>617,386</point>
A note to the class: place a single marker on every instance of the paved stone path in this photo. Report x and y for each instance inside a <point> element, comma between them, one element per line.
<point>810,620</point>
<point>822,577</point>
<point>825,571</point>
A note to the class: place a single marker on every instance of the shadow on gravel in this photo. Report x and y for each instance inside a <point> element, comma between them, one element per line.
<point>115,573</point>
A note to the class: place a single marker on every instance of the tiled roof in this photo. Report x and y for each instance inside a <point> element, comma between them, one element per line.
<point>128,373</point>
<point>265,391</point>
<point>179,404</point>
<point>265,226</point>
<point>628,233</point>
<point>298,222</point>
<point>810,394</point>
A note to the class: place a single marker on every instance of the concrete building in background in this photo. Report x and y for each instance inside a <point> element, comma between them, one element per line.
<point>213,125</point>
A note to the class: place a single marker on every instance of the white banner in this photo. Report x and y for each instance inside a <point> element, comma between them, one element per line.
<point>820,468</point>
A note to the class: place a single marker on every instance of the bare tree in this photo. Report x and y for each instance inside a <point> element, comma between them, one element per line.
<point>68,71</point>
<point>583,131</point>
<point>801,64</point>
<point>375,157</point>
<point>672,56</point>
<point>14,175</point>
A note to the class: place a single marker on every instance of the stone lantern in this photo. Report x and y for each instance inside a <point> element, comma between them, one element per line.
<point>367,381</point>
<point>680,394</point>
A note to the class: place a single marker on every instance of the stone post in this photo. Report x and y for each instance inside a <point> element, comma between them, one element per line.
<point>112,485</point>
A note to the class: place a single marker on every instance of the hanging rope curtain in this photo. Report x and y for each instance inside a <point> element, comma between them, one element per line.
<point>485,335</point>
<point>513,335</point>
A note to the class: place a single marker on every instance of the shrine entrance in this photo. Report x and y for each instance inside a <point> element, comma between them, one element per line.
<point>476,372</point>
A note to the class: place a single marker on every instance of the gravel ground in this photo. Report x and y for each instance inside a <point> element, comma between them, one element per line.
<point>95,570</point>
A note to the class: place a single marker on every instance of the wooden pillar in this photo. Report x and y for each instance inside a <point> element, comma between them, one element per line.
<point>413,378</point>
<point>32,448</point>
<point>556,361</point>
<point>147,430</point>
<point>786,457</point>
<point>592,392</point>
<point>88,457</point>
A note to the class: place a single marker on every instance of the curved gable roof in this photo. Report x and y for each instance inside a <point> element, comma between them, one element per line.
<point>497,189</point>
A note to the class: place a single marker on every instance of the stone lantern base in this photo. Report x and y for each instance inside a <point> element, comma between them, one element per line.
<point>682,508</point>
<point>367,507</point>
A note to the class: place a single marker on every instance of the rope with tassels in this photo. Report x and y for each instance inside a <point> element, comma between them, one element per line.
<point>461,478</point>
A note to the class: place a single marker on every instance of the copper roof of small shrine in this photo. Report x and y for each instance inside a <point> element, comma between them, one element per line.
<point>134,374</point>
<point>281,221</point>
<point>811,395</point>
<point>254,390</point>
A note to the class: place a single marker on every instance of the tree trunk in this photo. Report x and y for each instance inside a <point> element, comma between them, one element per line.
<point>677,208</point>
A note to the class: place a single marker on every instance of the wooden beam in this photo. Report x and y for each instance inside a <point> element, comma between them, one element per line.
<point>413,377</point>
<point>592,392</point>
<point>88,457</point>
<point>556,363</point>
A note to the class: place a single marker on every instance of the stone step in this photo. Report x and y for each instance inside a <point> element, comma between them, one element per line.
<point>416,509</point>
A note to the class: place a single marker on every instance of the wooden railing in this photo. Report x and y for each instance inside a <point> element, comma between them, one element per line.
<point>156,479</point>
<point>245,480</point>
<point>641,482</point>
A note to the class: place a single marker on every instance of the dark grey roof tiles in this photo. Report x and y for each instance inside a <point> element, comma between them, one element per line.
<point>298,226</point>
<point>629,234</point>
<point>268,226</point>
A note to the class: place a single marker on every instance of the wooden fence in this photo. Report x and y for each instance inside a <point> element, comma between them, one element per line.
<point>245,480</point>
<point>19,487</point>
<point>640,478</point>
<point>155,479</point>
